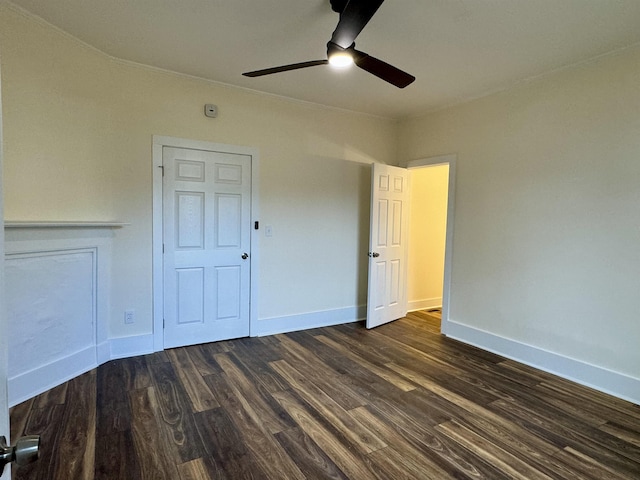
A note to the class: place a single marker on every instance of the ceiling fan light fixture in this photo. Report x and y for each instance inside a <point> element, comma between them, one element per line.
<point>340,59</point>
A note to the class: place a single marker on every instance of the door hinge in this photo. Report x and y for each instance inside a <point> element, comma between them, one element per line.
<point>162,168</point>
<point>163,248</point>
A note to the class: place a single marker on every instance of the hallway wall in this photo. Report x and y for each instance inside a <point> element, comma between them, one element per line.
<point>427,228</point>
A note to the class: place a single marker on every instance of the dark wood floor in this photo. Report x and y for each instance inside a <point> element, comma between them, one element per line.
<point>397,402</point>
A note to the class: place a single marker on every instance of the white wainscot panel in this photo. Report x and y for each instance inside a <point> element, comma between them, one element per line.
<point>52,313</point>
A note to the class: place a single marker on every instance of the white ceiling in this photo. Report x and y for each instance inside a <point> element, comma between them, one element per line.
<point>457,49</point>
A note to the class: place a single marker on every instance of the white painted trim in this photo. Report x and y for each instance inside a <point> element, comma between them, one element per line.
<point>29,384</point>
<point>450,159</point>
<point>607,381</point>
<point>21,387</point>
<point>125,347</point>
<point>39,241</point>
<point>425,303</point>
<point>305,321</point>
<point>158,289</point>
<point>31,224</point>
<point>103,352</point>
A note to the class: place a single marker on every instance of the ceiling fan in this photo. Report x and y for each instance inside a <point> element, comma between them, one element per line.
<point>354,15</point>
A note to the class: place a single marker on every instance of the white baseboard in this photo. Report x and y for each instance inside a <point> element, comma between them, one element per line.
<point>103,352</point>
<point>34,382</point>
<point>424,304</point>
<point>598,378</point>
<point>305,321</point>
<point>131,346</point>
<point>29,384</point>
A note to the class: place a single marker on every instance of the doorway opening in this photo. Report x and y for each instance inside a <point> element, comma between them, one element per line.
<point>431,236</point>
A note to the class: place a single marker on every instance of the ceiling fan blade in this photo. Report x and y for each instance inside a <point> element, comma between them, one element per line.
<point>285,68</point>
<point>354,17</point>
<point>382,70</point>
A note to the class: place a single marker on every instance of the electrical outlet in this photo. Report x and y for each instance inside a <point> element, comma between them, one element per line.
<point>129,316</point>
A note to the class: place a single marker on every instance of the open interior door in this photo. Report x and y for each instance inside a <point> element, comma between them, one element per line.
<point>26,448</point>
<point>388,245</point>
<point>4,357</point>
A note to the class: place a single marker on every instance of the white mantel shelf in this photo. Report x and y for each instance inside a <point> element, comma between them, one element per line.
<point>41,224</point>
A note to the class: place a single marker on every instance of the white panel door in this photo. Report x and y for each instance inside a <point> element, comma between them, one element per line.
<point>388,245</point>
<point>207,230</point>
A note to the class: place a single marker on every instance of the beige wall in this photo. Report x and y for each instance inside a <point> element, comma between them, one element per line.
<point>546,247</point>
<point>78,131</point>
<point>546,235</point>
<point>428,224</point>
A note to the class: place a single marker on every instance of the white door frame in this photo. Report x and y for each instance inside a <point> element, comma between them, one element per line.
<point>158,283</point>
<point>4,327</point>
<point>448,252</point>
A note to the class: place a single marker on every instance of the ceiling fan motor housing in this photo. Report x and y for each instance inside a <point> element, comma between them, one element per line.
<point>338,5</point>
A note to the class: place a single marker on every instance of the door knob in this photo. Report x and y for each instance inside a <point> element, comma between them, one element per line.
<point>25,451</point>
<point>374,254</point>
<point>245,256</point>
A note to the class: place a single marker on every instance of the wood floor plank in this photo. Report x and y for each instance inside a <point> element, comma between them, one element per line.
<point>310,458</point>
<point>623,432</point>
<point>255,356</point>
<point>20,415</point>
<point>413,463</point>
<point>591,411</point>
<point>176,414</point>
<point>116,458</point>
<point>266,409</point>
<point>151,448</point>
<point>255,434</point>
<point>324,356</point>
<point>77,447</point>
<point>399,401</point>
<point>157,357</point>
<point>193,470</point>
<point>227,454</point>
<point>389,463</point>
<point>587,467</point>
<point>201,397</point>
<point>55,396</point>
<point>330,381</point>
<point>382,372</point>
<point>349,462</point>
<point>202,359</point>
<point>494,426</point>
<point>45,422</point>
<point>136,373</point>
<point>423,437</point>
<point>112,400</point>
<point>365,440</point>
<point>510,465</point>
<point>553,430</point>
